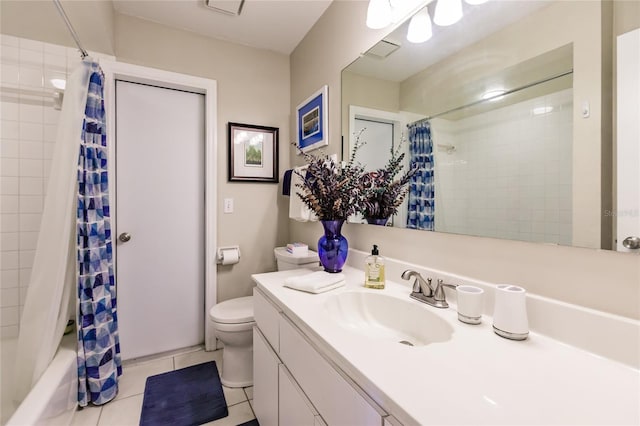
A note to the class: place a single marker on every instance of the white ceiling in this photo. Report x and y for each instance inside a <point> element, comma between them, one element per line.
<point>277,25</point>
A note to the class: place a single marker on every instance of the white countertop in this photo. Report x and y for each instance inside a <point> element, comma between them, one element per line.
<point>476,377</point>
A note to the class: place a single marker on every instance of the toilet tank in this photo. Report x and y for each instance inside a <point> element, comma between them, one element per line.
<point>287,261</point>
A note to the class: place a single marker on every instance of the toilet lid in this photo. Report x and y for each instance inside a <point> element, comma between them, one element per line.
<point>233,311</point>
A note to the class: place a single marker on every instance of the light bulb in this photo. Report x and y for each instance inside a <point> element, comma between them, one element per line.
<point>420,27</point>
<point>378,14</point>
<point>448,12</point>
<point>474,2</point>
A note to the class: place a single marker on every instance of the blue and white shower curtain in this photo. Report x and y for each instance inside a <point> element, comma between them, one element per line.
<point>99,362</point>
<point>421,208</point>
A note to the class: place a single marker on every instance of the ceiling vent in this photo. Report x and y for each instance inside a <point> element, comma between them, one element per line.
<point>227,7</point>
<point>382,49</point>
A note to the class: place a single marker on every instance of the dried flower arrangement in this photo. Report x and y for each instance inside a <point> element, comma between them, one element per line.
<point>383,192</point>
<point>335,191</point>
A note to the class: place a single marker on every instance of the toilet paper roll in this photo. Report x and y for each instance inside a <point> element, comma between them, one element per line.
<point>230,256</point>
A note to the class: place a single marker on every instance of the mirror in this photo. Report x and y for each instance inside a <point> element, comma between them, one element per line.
<point>515,101</point>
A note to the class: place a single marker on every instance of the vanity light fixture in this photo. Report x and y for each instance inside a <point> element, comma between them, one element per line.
<point>420,27</point>
<point>378,14</point>
<point>448,12</point>
<point>474,2</point>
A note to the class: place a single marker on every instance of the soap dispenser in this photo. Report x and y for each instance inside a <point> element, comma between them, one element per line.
<point>374,270</point>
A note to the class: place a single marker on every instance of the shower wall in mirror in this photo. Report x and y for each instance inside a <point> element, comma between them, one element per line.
<point>518,121</point>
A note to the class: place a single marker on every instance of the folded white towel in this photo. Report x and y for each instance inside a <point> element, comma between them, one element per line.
<point>315,282</point>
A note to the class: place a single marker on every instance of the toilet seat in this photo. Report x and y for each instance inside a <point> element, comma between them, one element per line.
<point>234,311</point>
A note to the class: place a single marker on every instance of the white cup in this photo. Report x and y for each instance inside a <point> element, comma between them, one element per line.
<point>470,303</point>
<point>510,312</point>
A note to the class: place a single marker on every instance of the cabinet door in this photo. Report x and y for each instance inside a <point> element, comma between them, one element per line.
<point>331,394</point>
<point>267,316</point>
<point>294,407</point>
<point>265,380</point>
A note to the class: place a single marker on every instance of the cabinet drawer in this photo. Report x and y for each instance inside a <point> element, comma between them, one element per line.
<point>267,316</point>
<point>338,402</point>
<point>265,380</point>
<point>295,408</point>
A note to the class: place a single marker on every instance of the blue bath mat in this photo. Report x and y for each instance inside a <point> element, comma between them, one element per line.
<point>185,397</point>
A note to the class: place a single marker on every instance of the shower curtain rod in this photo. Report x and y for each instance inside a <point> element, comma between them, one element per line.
<point>508,92</point>
<point>65,18</point>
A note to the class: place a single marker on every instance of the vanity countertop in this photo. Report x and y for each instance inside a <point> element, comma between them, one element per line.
<point>476,377</point>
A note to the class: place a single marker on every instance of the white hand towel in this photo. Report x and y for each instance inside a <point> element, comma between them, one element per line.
<point>297,209</point>
<point>315,282</point>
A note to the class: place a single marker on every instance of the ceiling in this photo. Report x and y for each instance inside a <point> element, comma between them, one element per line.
<point>277,25</point>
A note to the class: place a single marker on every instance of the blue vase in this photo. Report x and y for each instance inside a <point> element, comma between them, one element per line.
<point>332,246</point>
<point>377,221</point>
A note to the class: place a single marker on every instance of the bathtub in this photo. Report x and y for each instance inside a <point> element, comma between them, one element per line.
<point>53,399</point>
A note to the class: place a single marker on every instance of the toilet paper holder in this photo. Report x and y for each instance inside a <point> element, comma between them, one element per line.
<point>221,250</point>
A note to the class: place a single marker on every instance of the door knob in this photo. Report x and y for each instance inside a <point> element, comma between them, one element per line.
<point>124,237</point>
<point>632,243</point>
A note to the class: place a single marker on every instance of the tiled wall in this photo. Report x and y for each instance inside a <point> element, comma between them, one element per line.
<point>510,174</point>
<point>28,133</point>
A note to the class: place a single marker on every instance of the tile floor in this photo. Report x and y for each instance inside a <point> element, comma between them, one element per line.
<point>125,408</point>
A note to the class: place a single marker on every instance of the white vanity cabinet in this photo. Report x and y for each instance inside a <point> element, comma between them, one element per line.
<point>294,385</point>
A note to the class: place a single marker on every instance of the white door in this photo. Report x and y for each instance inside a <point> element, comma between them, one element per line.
<point>374,154</point>
<point>160,166</point>
<point>628,110</point>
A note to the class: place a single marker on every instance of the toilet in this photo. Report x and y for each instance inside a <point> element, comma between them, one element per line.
<point>233,324</point>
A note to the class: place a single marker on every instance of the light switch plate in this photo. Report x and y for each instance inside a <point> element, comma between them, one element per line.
<point>228,205</point>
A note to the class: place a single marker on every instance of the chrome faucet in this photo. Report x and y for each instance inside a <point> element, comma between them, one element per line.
<point>425,292</point>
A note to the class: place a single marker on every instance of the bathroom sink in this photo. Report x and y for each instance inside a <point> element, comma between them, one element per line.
<point>387,318</point>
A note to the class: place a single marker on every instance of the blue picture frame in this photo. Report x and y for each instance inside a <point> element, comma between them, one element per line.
<point>312,123</point>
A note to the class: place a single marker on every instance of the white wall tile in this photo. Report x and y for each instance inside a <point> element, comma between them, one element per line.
<point>9,204</point>
<point>9,316</point>
<point>10,74</point>
<point>32,149</point>
<point>27,44</point>
<point>10,278</point>
<point>31,204</point>
<point>31,77</point>
<point>31,113</point>
<point>9,297</point>
<point>9,260</point>
<point>50,132</point>
<point>31,131</point>
<point>28,241</point>
<point>7,40</point>
<point>29,222</point>
<point>55,49</point>
<point>47,151</point>
<point>9,332</point>
<point>10,110</point>
<point>31,186</point>
<point>26,258</point>
<point>9,148</point>
<point>9,222</point>
<point>31,168</point>
<point>10,129</point>
<point>22,295</point>
<point>25,277</point>
<point>9,241</point>
<point>9,185</point>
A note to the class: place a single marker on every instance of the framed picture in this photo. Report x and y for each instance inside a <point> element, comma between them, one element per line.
<point>253,153</point>
<point>312,123</point>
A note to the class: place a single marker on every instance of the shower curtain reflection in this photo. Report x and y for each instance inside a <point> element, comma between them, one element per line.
<point>421,188</point>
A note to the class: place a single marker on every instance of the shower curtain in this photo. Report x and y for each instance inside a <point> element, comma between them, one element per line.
<point>54,276</point>
<point>99,363</point>
<point>421,206</point>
